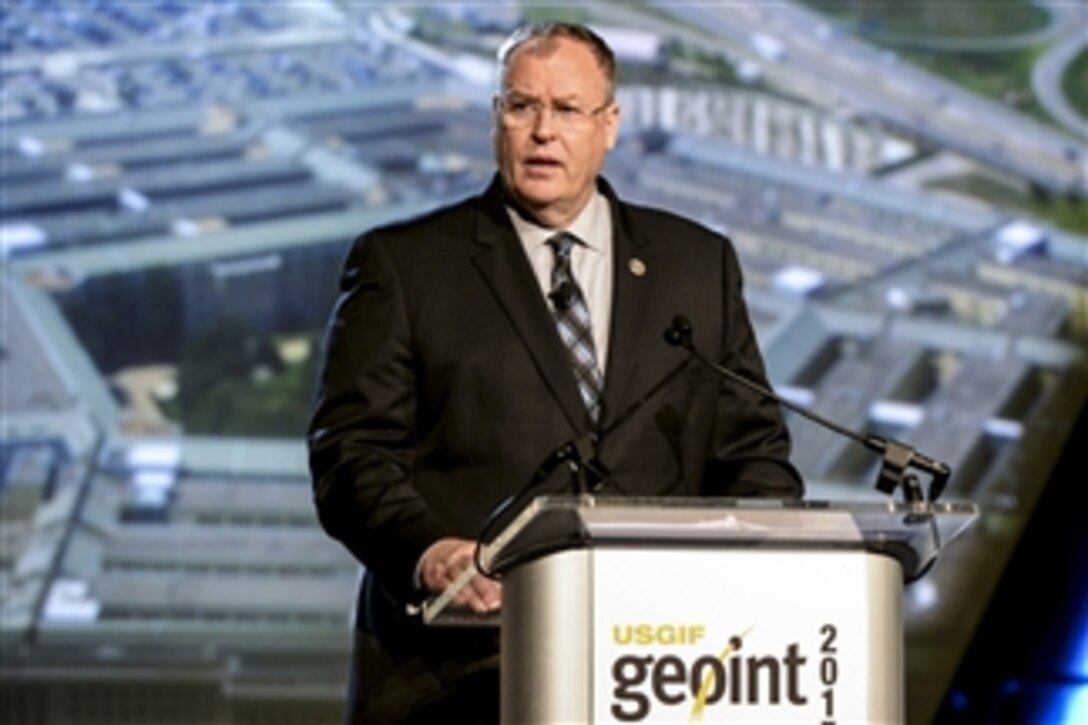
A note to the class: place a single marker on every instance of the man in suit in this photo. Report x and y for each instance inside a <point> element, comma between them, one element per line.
<point>468,345</point>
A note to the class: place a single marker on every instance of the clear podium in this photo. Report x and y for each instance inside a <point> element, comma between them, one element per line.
<point>706,610</point>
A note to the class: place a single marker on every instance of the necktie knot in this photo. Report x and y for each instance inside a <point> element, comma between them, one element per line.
<point>562,244</point>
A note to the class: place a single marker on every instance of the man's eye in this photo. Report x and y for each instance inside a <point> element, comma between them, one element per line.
<point>568,111</point>
<point>519,106</point>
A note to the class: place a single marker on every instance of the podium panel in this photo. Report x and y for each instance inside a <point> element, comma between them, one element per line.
<point>705,610</point>
<point>644,634</point>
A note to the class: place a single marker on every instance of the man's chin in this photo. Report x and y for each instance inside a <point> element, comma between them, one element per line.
<point>537,195</point>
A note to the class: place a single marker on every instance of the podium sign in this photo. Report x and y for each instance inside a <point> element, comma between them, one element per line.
<point>749,636</point>
<point>707,610</point>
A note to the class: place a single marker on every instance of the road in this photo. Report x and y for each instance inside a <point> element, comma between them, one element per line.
<point>1046,81</point>
<point>846,74</point>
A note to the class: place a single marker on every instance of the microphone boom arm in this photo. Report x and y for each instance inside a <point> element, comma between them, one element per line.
<point>898,457</point>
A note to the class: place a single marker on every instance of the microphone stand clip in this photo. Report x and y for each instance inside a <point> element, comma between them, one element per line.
<point>586,471</point>
<point>893,470</point>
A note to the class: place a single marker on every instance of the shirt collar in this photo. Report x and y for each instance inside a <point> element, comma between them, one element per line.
<point>586,226</point>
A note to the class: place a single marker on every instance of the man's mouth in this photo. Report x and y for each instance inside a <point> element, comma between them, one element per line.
<point>542,163</point>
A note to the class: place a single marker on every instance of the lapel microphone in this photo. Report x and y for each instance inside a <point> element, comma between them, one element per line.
<point>562,296</point>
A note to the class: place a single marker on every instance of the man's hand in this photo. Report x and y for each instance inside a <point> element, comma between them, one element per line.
<point>443,562</point>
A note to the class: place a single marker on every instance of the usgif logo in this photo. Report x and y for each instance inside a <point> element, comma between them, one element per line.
<point>675,671</point>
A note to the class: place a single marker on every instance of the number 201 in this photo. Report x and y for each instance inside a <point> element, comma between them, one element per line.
<point>829,670</point>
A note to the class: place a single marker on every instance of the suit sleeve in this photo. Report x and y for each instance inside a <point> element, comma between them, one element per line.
<point>751,441</point>
<point>362,436</point>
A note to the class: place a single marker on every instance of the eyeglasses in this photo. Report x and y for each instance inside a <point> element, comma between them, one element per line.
<point>519,112</point>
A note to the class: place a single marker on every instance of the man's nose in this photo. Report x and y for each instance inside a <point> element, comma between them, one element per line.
<point>543,126</point>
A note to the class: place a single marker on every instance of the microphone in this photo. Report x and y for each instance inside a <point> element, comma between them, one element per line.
<point>563,295</point>
<point>898,457</point>
<point>587,471</point>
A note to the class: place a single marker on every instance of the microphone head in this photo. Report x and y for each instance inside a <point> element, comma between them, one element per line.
<point>678,333</point>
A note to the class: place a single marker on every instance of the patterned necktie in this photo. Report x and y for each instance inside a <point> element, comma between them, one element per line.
<point>572,319</point>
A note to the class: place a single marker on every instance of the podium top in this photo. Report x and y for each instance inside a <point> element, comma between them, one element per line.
<point>912,533</point>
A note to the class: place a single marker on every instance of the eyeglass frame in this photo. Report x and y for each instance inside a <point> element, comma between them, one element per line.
<point>534,108</point>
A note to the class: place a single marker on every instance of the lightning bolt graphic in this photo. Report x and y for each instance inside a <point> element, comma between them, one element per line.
<point>699,706</point>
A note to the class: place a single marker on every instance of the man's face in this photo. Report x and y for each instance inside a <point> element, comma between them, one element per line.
<point>553,125</point>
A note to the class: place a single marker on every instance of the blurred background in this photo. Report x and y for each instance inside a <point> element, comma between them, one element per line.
<point>905,183</point>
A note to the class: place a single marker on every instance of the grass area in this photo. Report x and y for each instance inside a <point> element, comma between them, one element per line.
<point>936,18</point>
<point>555,13</point>
<point>1004,76</point>
<point>1068,214</point>
<point>1075,83</point>
<point>234,382</point>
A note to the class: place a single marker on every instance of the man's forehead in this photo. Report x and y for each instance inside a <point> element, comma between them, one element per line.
<point>528,65</point>
<point>545,46</point>
<point>538,50</point>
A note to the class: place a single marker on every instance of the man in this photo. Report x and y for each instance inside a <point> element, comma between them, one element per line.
<point>466,346</point>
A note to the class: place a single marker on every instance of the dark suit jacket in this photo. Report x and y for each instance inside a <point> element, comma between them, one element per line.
<point>445,386</point>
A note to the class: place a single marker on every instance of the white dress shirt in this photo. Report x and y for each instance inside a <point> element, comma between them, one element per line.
<point>590,261</point>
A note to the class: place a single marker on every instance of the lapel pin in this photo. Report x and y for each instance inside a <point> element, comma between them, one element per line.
<point>637,267</point>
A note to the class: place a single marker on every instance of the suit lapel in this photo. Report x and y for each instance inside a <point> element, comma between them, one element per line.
<point>504,266</point>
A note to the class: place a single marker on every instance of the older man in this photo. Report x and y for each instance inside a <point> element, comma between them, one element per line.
<point>470,343</point>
